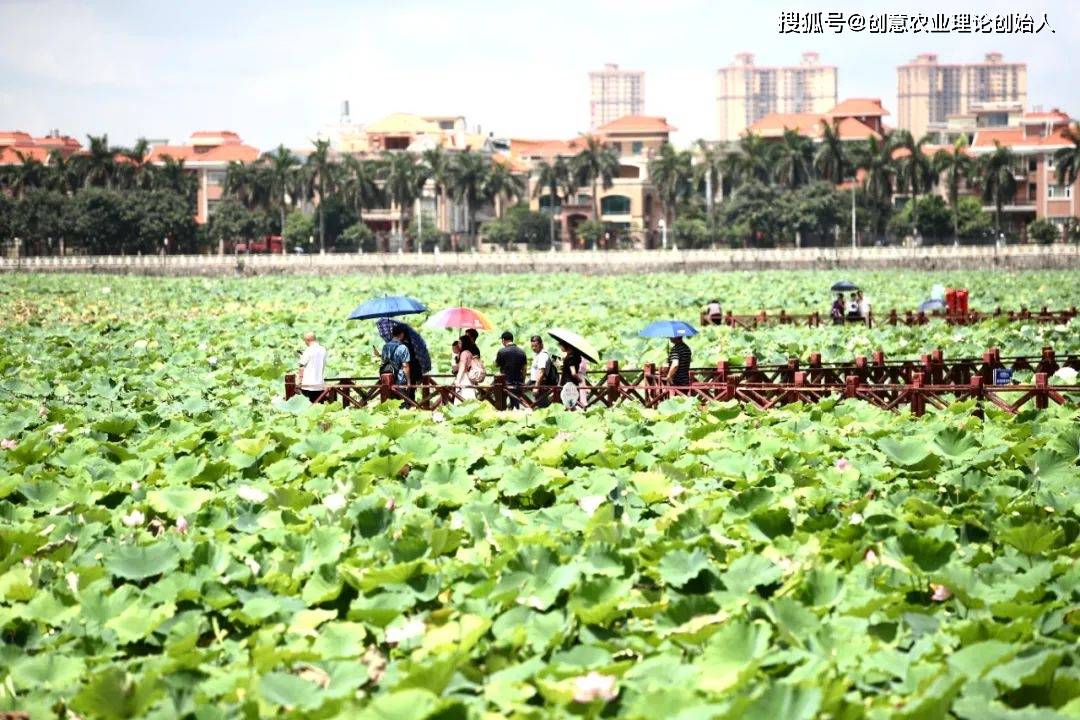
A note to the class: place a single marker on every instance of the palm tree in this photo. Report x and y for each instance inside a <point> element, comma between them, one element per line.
<point>874,156</point>
<point>63,174</point>
<point>548,180</point>
<point>360,184</point>
<point>997,176</point>
<point>243,182</point>
<point>831,160</point>
<point>437,162</point>
<point>957,166</point>
<point>568,179</point>
<point>502,185</point>
<point>322,181</point>
<point>709,173</point>
<point>280,168</point>
<point>1068,159</point>
<point>468,177</point>
<point>29,173</point>
<point>596,163</point>
<point>752,160</point>
<point>792,163</point>
<point>171,175</point>
<point>405,179</point>
<point>134,171</point>
<point>916,168</point>
<point>100,162</point>
<point>670,173</point>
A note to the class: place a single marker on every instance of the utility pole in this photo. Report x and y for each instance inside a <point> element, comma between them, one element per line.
<point>853,228</point>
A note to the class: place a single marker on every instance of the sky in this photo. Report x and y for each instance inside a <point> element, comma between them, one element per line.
<point>277,72</point>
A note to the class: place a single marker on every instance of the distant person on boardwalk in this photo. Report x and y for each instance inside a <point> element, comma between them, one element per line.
<point>470,368</point>
<point>864,307</point>
<point>853,308</point>
<point>396,358</point>
<point>571,365</point>
<point>679,358</point>
<point>542,373</point>
<point>511,362</point>
<point>455,353</point>
<point>837,311</point>
<point>310,376</point>
<point>714,313</point>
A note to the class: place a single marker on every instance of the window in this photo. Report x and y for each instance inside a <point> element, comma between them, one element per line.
<point>1051,163</point>
<point>545,202</point>
<point>215,177</point>
<point>617,146</point>
<point>636,147</point>
<point>615,205</point>
<point>1033,165</point>
<point>584,199</point>
<point>1031,191</point>
<point>1059,191</point>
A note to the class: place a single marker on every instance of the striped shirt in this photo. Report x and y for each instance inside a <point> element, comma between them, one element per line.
<point>680,352</point>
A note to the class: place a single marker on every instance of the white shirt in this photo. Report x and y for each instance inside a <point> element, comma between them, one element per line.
<point>713,309</point>
<point>539,363</point>
<point>864,307</point>
<point>314,363</point>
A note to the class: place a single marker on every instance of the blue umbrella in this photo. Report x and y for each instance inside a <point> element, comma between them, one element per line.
<point>844,286</point>
<point>668,329</point>
<point>931,305</point>
<point>386,325</point>
<point>387,307</point>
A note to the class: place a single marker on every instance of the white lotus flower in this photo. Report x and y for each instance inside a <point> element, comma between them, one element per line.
<point>134,519</point>
<point>590,503</point>
<point>532,601</point>
<point>564,435</point>
<point>335,501</point>
<point>856,519</point>
<point>212,359</point>
<point>594,686</point>
<point>202,346</point>
<point>675,491</point>
<point>438,416</point>
<point>1067,374</point>
<point>57,429</point>
<point>251,494</point>
<point>141,344</point>
<point>252,565</point>
<point>135,485</point>
<point>72,581</point>
<point>7,444</point>
<point>106,290</point>
<point>182,525</point>
<point>413,628</point>
<point>42,411</point>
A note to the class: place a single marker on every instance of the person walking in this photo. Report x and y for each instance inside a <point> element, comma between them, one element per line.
<point>542,372</point>
<point>511,362</point>
<point>310,376</point>
<point>679,358</point>
<point>396,360</point>
<point>470,368</point>
<point>714,313</point>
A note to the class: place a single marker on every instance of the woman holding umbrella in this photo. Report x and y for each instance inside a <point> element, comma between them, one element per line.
<point>470,372</point>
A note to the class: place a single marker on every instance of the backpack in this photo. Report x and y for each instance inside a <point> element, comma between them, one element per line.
<point>476,372</point>
<point>388,367</point>
<point>550,375</point>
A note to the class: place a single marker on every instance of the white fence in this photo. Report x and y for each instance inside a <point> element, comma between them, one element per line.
<point>541,260</point>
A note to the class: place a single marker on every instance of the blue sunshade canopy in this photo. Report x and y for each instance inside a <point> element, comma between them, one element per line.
<point>668,329</point>
<point>387,307</point>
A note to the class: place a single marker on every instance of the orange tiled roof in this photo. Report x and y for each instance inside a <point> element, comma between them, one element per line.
<point>774,124</point>
<point>1014,138</point>
<point>544,148</point>
<point>9,154</point>
<point>15,137</point>
<point>859,107</point>
<point>227,136</point>
<point>219,153</point>
<point>515,166</point>
<point>636,124</point>
<point>1054,115</point>
<point>851,129</point>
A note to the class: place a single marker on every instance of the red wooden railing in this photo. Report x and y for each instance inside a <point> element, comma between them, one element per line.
<point>892,317</point>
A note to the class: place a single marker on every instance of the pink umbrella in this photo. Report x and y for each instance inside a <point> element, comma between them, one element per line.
<point>459,317</point>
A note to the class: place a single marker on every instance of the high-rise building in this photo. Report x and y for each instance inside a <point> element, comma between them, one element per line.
<point>615,93</point>
<point>745,93</point>
<point>929,92</point>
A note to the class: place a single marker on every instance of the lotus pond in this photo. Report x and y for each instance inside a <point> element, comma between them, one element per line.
<point>176,542</point>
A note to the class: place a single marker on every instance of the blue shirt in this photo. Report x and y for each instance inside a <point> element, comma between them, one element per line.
<point>396,354</point>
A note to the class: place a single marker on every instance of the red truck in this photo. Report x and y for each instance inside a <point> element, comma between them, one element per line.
<point>268,244</point>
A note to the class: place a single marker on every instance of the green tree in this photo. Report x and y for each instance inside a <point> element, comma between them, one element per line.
<point>874,156</point>
<point>750,217</point>
<point>997,179</point>
<point>530,228</point>
<point>99,162</point>
<point>831,160</point>
<point>670,172</point>
<point>752,161</point>
<point>280,171</point>
<point>437,163</point>
<point>708,172</point>
<point>1067,159</point>
<point>323,179</point>
<point>690,234</point>
<point>41,219</point>
<point>405,179</point>
<point>956,165</point>
<point>159,214</point>
<point>1043,232</point>
<point>468,179</point>
<point>915,169</point>
<point>792,160</point>
<point>596,164</point>
<point>101,221</point>
<point>933,218</point>
<point>357,236</point>
<point>428,234</point>
<point>299,227</point>
<point>811,213</point>
<point>502,185</point>
<point>973,222</point>
<point>591,232</point>
<point>501,232</point>
<point>232,222</point>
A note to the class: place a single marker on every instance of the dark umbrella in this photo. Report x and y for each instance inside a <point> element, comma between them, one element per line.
<point>844,286</point>
<point>386,325</point>
<point>387,307</point>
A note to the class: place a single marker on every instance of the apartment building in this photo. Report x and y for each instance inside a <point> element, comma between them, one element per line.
<point>615,93</point>
<point>745,93</point>
<point>207,154</point>
<point>929,91</point>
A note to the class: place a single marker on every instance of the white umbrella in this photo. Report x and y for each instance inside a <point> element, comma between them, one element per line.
<point>575,341</point>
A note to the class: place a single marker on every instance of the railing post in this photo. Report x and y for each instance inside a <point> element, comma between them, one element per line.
<point>345,391</point>
<point>1042,391</point>
<point>499,392</point>
<point>723,369</point>
<point>918,402</point>
<point>612,381</point>
<point>290,385</point>
<point>978,391</point>
<point>386,387</point>
<point>851,386</point>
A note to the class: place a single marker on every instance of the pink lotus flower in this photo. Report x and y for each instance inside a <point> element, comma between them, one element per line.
<point>182,525</point>
<point>7,444</point>
<point>390,504</point>
<point>941,593</point>
<point>594,686</point>
<point>843,464</point>
<point>871,558</point>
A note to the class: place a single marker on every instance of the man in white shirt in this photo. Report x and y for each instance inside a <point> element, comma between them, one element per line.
<point>864,308</point>
<point>536,370</point>
<point>312,368</point>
